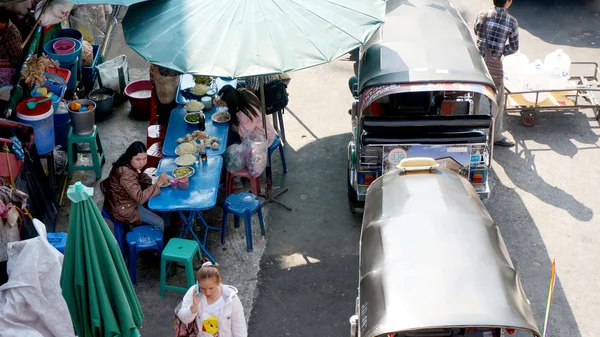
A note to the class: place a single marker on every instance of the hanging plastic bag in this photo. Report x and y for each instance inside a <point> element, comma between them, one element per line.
<point>90,32</point>
<point>255,153</point>
<point>234,158</point>
<point>56,12</point>
<point>114,74</point>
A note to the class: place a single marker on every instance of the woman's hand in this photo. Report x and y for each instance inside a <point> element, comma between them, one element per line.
<point>195,301</point>
<point>163,178</point>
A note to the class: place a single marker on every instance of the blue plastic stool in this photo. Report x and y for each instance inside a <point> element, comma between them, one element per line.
<point>242,205</point>
<point>118,229</point>
<point>277,144</point>
<point>139,239</point>
<point>58,240</point>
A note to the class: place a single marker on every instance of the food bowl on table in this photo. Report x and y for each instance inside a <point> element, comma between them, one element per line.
<point>183,172</point>
<point>221,117</point>
<point>194,106</point>
<point>185,160</point>
<point>192,118</point>
<point>185,148</point>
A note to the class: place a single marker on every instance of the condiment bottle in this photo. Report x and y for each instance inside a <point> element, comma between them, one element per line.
<point>202,122</point>
<point>203,156</point>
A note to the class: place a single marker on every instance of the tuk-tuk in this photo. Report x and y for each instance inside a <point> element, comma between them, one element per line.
<point>432,261</point>
<point>422,89</point>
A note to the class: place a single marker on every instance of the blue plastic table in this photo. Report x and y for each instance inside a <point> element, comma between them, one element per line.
<point>201,195</point>
<point>178,128</point>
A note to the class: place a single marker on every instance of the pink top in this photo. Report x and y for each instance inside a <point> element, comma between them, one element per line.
<point>247,125</point>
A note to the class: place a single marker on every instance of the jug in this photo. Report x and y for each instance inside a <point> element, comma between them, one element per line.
<point>515,66</point>
<point>558,64</point>
<point>537,78</point>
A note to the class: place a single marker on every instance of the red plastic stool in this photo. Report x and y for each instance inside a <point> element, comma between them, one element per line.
<point>254,182</point>
<point>154,154</point>
<point>155,134</point>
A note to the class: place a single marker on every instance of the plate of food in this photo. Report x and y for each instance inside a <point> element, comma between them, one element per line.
<point>183,172</point>
<point>194,106</point>
<point>221,117</point>
<point>192,118</point>
<point>185,160</point>
<point>165,184</point>
<point>185,148</point>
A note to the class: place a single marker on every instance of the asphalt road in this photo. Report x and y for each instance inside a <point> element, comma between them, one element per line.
<point>543,198</point>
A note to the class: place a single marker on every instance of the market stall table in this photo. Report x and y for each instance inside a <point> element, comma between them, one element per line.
<point>178,128</point>
<point>201,195</point>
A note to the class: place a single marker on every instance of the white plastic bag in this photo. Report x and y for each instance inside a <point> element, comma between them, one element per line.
<point>234,158</point>
<point>114,74</point>
<point>256,153</point>
<point>56,12</point>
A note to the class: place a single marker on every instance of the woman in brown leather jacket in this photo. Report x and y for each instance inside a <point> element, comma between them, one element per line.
<point>127,189</point>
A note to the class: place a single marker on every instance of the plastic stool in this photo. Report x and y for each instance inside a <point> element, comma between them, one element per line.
<point>95,151</point>
<point>183,251</point>
<point>277,144</point>
<point>155,134</point>
<point>254,182</point>
<point>242,205</point>
<point>155,154</point>
<point>118,230</point>
<point>142,238</point>
<point>58,240</point>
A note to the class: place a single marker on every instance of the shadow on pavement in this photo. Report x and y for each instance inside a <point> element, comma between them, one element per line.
<point>577,19</point>
<point>531,258</point>
<point>559,135</point>
<point>312,298</point>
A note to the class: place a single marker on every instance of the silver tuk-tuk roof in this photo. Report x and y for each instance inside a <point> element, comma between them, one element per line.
<point>432,257</point>
<point>421,41</point>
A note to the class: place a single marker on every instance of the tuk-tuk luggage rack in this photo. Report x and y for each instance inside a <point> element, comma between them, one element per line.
<point>583,93</point>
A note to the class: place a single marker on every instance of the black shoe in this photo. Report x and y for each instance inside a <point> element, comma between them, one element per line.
<point>504,142</point>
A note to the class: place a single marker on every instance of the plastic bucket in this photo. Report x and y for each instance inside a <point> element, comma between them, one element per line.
<point>105,101</point>
<point>64,46</point>
<point>61,118</point>
<point>66,59</point>
<point>61,134</point>
<point>139,93</point>
<point>69,32</point>
<point>83,122</point>
<point>42,121</point>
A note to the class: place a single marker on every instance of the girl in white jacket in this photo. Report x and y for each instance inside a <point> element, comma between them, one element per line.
<point>215,307</point>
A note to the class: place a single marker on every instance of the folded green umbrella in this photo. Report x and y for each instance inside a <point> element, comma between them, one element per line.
<point>237,38</point>
<point>95,281</point>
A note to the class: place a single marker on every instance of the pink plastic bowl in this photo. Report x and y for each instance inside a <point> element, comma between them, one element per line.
<point>64,46</point>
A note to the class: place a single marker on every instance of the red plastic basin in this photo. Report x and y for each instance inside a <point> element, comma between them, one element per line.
<point>139,93</point>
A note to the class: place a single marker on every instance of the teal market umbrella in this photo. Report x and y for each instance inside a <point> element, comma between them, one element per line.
<point>239,38</point>
<point>94,280</point>
<point>106,2</point>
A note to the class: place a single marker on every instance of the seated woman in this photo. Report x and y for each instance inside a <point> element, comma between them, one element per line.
<point>246,116</point>
<point>127,188</point>
<point>11,54</point>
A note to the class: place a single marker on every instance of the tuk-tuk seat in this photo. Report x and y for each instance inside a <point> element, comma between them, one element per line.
<point>447,122</point>
<point>460,137</point>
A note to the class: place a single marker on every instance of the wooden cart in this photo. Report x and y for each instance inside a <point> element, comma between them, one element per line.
<point>582,92</point>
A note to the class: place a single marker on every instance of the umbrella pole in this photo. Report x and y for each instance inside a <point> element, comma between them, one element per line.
<point>269,195</point>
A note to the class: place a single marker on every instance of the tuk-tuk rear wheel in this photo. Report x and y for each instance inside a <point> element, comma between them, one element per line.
<point>353,201</point>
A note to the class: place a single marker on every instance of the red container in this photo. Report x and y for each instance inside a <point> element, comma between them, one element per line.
<point>184,183</point>
<point>63,46</point>
<point>139,93</point>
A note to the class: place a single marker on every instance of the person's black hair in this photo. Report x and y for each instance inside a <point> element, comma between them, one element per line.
<point>4,16</point>
<point>500,3</point>
<point>133,150</point>
<point>239,100</point>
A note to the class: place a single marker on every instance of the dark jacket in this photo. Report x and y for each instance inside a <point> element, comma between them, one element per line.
<point>124,190</point>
